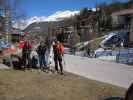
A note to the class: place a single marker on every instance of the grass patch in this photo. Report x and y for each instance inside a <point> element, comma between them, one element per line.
<point>19,85</point>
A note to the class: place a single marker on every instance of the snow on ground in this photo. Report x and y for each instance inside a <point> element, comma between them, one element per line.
<point>108,58</point>
<point>108,37</point>
<point>84,44</point>
<point>2,66</point>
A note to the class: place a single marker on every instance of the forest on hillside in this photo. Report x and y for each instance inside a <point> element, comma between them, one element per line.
<point>95,23</point>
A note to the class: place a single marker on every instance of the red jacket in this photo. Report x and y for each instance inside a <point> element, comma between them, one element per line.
<point>21,44</point>
<point>60,47</point>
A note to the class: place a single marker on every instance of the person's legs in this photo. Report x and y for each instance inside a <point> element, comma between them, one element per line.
<point>56,63</point>
<point>40,61</point>
<point>60,64</point>
<point>24,61</point>
<point>46,59</point>
<point>28,60</point>
<point>44,62</point>
<point>61,67</point>
<point>34,62</point>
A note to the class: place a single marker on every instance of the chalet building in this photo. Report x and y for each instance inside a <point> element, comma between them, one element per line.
<point>124,19</point>
<point>88,29</point>
<point>67,31</point>
<point>16,35</point>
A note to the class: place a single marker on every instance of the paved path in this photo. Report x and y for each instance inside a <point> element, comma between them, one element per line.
<point>108,72</point>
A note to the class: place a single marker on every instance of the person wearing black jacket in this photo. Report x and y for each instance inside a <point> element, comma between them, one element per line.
<point>41,50</point>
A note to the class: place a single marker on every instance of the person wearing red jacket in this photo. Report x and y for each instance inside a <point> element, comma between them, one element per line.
<point>21,44</point>
<point>26,51</point>
<point>58,53</point>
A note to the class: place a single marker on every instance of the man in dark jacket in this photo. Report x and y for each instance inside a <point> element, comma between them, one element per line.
<point>41,50</point>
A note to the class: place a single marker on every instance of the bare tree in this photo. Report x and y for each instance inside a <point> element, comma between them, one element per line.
<point>12,12</point>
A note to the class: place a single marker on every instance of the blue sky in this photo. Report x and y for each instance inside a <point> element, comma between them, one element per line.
<point>48,7</point>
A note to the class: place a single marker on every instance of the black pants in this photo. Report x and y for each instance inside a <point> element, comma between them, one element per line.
<point>58,60</point>
<point>34,62</point>
<point>26,60</point>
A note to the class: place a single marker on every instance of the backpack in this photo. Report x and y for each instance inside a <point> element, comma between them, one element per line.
<point>60,48</point>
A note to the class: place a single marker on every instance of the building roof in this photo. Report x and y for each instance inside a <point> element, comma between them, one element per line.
<point>123,12</point>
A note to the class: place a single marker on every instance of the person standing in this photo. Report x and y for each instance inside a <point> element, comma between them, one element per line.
<point>26,51</point>
<point>88,52</point>
<point>34,59</point>
<point>58,49</point>
<point>41,50</point>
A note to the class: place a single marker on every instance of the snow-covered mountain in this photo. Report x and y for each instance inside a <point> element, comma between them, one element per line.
<point>59,15</point>
<point>36,19</point>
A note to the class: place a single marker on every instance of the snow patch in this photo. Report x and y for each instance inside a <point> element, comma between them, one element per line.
<point>57,16</point>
